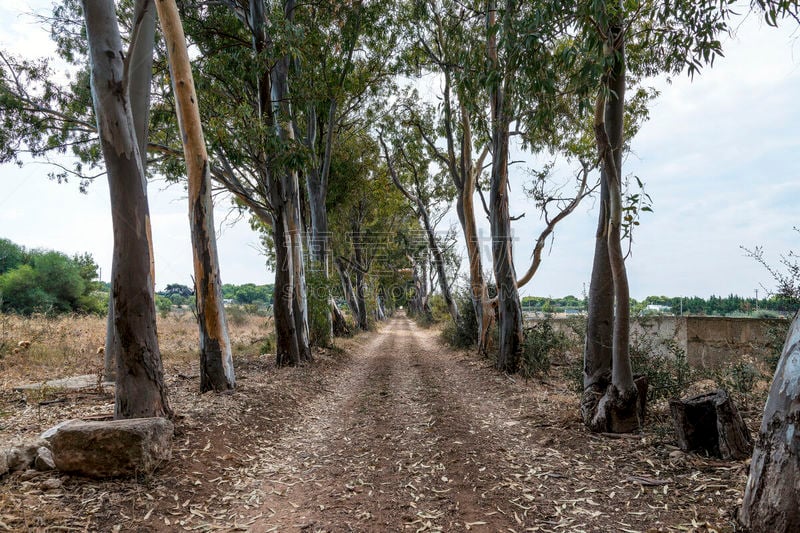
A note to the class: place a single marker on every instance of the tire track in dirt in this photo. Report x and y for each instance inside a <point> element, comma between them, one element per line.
<point>386,450</point>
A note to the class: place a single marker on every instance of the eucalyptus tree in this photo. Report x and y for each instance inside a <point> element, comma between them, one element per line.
<point>365,224</point>
<point>770,495</point>
<point>459,136</point>
<point>255,153</point>
<point>140,389</point>
<point>408,167</point>
<point>216,359</point>
<point>444,37</point>
<point>617,43</point>
<point>45,119</point>
<point>50,118</point>
<point>342,60</point>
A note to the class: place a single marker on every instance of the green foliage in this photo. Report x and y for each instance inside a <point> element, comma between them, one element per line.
<point>268,345</point>
<point>540,342</point>
<point>60,277</point>
<point>11,255</point>
<point>439,311</point>
<point>664,363</point>
<point>164,305</point>
<point>248,293</point>
<point>236,314</point>
<point>319,320</point>
<point>776,337</point>
<point>743,377</point>
<point>21,291</point>
<point>464,332</point>
<point>48,281</point>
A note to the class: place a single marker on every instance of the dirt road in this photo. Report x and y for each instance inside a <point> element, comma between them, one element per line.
<point>392,432</point>
<point>412,436</point>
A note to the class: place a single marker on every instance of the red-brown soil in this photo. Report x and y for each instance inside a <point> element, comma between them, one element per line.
<point>393,431</point>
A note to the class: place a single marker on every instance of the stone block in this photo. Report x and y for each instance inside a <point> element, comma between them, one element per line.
<point>111,448</point>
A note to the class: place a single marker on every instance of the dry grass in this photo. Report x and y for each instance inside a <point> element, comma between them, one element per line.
<point>68,345</point>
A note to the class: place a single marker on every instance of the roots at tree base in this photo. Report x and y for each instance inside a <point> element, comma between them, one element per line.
<point>611,410</point>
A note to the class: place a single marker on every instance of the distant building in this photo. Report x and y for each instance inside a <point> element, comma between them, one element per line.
<point>658,309</point>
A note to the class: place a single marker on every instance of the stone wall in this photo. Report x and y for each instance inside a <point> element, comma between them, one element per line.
<point>709,342</point>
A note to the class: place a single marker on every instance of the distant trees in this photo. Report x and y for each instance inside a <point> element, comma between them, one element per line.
<point>47,281</point>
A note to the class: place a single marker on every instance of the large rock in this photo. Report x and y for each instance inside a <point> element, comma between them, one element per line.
<point>111,448</point>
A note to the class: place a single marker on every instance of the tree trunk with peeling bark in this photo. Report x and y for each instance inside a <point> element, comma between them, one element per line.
<point>216,360</point>
<point>290,198</point>
<point>140,389</point>
<point>140,63</point>
<point>770,496</point>
<point>349,292</point>
<point>286,345</point>
<point>510,309</point>
<point>614,409</point>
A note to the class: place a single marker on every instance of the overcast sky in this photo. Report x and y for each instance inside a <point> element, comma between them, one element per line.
<point>719,157</point>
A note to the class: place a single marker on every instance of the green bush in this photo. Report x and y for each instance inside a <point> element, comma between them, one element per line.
<point>268,346</point>
<point>21,291</point>
<point>664,363</point>
<point>739,378</point>
<point>319,319</point>
<point>540,342</point>
<point>439,310</point>
<point>464,332</point>
<point>776,337</point>
<point>11,255</point>
<point>164,305</point>
<point>47,281</point>
<point>236,314</point>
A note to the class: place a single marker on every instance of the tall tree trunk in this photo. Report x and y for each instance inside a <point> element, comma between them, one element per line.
<point>617,410</point>
<point>465,209</point>
<point>291,196</point>
<point>317,189</point>
<point>140,390</point>
<point>510,309</point>
<point>770,496</point>
<point>361,292</point>
<point>140,63</point>
<point>287,348</point>
<point>600,317</point>
<point>216,360</point>
<point>349,292</point>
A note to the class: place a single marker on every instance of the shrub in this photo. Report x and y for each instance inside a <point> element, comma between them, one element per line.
<point>739,378</point>
<point>21,291</point>
<point>236,314</point>
<point>439,310</point>
<point>664,363</point>
<point>164,305</point>
<point>268,346</point>
<point>539,343</point>
<point>319,321</point>
<point>464,332</point>
<point>776,337</point>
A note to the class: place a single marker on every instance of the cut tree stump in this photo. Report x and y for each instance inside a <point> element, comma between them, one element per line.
<point>711,423</point>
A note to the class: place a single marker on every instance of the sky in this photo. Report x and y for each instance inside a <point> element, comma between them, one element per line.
<point>718,156</point>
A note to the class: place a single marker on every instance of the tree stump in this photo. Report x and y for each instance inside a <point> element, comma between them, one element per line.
<point>710,422</point>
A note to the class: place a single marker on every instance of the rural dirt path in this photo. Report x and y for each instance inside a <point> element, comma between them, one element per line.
<point>403,439</point>
<point>413,436</point>
<point>392,431</point>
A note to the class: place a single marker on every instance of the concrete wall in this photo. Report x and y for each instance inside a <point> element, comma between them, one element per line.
<point>709,342</point>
